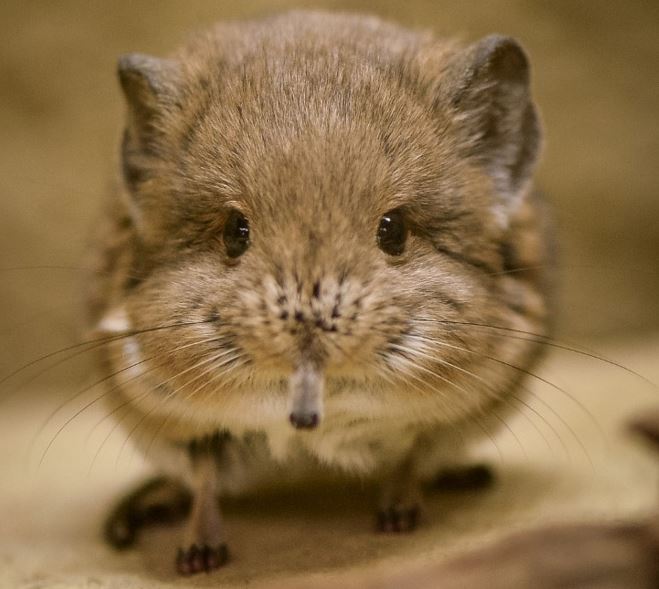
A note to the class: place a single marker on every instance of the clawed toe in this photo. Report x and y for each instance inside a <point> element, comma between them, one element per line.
<point>202,559</point>
<point>397,519</point>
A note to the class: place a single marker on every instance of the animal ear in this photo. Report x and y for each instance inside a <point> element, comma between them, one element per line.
<point>151,87</point>
<point>487,88</point>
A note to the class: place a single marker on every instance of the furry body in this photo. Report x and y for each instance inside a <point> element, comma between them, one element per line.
<point>313,128</point>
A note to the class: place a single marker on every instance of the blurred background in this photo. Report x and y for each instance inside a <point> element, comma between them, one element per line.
<point>596,80</point>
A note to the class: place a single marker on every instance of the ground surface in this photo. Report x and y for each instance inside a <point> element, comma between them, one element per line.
<point>52,513</point>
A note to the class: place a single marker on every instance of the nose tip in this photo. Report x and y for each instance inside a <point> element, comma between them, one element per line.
<point>306,397</point>
<point>300,420</point>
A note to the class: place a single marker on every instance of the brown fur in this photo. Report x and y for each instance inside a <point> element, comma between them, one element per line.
<point>314,126</point>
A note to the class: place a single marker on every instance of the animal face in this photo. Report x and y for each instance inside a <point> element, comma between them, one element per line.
<point>303,207</point>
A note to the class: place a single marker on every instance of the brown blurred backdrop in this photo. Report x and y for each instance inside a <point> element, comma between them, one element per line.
<point>596,67</point>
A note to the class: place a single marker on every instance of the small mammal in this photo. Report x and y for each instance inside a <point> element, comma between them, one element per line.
<point>324,243</point>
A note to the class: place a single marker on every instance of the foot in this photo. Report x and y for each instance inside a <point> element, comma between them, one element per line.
<point>157,501</point>
<point>464,478</point>
<point>398,519</point>
<point>202,559</point>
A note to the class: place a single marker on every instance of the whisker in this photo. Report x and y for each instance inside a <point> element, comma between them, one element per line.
<point>578,403</point>
<point>130,401</point>
<point>94,344</point>
<point>547,341</point>
<point>462,389</point>
<point>99,397</point>
<point>491,389</point>
<point>639,268</point>
<point>535,427</point>
<point>470,417</point>
<point>86,406</point>
<point>169,396</point>
<point>109,377</point>
<point>522,402</point>
<point>170,414</point>
<point>176,349</point>
<point>230,361</point>
<point>560,418</point>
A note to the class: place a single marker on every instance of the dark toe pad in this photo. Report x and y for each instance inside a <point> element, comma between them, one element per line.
<point>397,519</point>
<point>201,559</point>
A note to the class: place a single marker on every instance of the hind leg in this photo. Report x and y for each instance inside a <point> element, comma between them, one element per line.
<point>400,499</point>
<point>465,477</point>
<point>159,500</point>
<point>437,452</point>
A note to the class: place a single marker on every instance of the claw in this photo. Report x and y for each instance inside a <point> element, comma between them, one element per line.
<point>398,519</point>
<point>202,559</point>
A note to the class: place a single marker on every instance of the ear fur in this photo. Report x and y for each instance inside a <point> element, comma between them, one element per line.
<point>151,87</point>
<point>488,90</point>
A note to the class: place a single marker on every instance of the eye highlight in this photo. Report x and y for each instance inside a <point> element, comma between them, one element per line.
<point>392,233</point>
<point>236,234</point>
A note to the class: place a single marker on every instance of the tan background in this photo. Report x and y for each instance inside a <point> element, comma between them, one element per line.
<point>596,78</point>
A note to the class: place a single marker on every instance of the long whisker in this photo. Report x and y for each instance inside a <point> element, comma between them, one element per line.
<point>513,396</point>
<point>547,341</point>
<point>473,417</point>
<point>169,395</point>
<point>109,377</point>
<point>558,416</point>
<point>102,395</point>
<point>491,389</point>
<point>86,406</point>
<point>545,381</point>
<point>94,344</point>
<point>232,365</point>
<point>128,402</point>
<point>463,390</point>
<point>213,339</point>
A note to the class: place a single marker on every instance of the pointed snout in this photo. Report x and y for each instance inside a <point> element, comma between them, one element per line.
<point>306,396</point>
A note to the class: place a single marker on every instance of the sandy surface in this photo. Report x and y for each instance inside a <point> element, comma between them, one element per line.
<point>579,466</point>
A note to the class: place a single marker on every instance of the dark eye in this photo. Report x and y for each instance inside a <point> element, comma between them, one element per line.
<point>392,233</point>
<point>236,234</point>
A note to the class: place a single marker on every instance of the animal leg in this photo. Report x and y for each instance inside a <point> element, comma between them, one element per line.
<point>400,500</point>
<point>159,500</point>
<point>204,545</point>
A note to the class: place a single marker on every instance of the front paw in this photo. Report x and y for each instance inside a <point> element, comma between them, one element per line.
<point>201,559</point>
<point>398,519</point>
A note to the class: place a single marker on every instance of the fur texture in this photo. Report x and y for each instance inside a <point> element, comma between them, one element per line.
<point>314,126</point>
